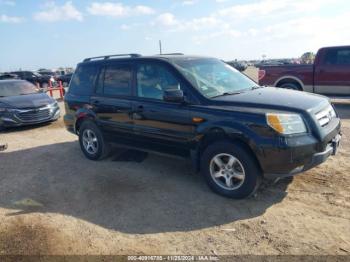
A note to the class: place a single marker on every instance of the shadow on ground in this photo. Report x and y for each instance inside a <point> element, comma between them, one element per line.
<point>25,128</point>
<point>131,192</point>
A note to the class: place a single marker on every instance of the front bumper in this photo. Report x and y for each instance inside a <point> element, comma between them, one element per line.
<point>310,162</point>
<point>289,156</point>
<point>12,119</point>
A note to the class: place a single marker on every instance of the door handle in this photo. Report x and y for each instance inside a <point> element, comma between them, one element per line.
<point>139,109</point>
<point>137,113</point>
<point>95,102</point>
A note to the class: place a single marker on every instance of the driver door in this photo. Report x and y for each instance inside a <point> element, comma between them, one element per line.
<point>157,121</point>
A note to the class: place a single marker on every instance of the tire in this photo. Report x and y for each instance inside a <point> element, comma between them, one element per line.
<point>291,86</point>
<point>245,172</point>
<point>90,134</point>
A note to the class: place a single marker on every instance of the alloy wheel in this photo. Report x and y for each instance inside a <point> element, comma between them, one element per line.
<point>227,171</point>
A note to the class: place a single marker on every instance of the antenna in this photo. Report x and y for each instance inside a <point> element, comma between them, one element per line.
<point>160,47</point>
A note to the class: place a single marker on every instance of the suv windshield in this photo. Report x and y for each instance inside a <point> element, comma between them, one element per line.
<point>213,77</point>
<point>17,88</point>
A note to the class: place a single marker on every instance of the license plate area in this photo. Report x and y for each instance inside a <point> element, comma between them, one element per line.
<point>335,143</point>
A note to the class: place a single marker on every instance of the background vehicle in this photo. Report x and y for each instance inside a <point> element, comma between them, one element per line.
<point>34,78</point>
<point>330,73</point>
<point>7,76</point>
<point>46,72</point>
<point>21,103</point>
<point>235,132</point>
<point>65,79</point>
<point>239,65</point>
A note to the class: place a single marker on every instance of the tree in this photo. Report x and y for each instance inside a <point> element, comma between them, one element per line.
<point>308,58</point>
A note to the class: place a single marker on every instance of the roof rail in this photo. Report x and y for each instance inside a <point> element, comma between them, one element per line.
<point>173,54</point>
<point>110,56</point>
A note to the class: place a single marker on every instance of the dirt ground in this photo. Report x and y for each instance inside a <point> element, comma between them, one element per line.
<point>55,201</point>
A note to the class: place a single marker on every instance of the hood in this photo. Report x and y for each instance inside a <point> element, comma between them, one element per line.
<point>275,98</point>
<point>27,101</point>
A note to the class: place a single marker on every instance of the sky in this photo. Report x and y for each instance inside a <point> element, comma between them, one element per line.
<point>47,34</point>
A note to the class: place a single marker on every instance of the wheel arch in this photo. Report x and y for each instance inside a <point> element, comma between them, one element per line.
<point>217,134</point>
<point>80,118</point>
<point>289,79</point>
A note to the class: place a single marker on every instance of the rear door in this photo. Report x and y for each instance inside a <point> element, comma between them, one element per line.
<point>111,100</point>
<point>332,74</point>
<point>160,122</point>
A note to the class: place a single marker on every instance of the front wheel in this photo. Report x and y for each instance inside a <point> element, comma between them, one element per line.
<point>230,170</point>
<point>92,142</point>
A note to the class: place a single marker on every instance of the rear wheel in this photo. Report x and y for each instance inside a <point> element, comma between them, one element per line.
<point>230,170</point>
<point>292,86</point>
<point>92,142</point>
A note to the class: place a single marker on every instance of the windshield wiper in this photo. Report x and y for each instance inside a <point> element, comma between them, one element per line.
<point>255,87</point>
<point>226,94</point>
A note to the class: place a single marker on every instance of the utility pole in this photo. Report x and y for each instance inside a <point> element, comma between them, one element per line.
<point>160,47</point>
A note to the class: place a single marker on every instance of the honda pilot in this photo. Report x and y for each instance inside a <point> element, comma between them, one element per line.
<point>235,132</point>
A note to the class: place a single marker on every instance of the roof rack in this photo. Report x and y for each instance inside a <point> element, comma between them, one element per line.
<point>110,56</point>
<point>173,54</point>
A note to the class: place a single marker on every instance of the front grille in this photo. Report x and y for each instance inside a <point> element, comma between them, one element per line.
<point>325,115</point>
<point>34,115</point>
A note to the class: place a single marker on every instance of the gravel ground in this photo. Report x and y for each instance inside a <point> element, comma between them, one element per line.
<point>55,201</point>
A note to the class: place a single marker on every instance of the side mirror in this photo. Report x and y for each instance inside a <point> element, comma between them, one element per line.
<point>174,96</point>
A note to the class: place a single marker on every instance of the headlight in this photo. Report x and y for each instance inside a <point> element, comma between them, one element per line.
<point>54,104</point>
<point>286,123</point>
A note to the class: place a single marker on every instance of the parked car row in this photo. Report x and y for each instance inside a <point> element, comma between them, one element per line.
<point>42,79</point>
<point>239,65</point>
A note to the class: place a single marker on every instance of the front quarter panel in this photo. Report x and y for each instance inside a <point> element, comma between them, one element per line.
<point>249,128</point>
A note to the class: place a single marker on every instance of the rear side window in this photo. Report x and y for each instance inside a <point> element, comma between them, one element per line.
<point>338,57</point>
<point>117,80</point>
<point>83,80</point>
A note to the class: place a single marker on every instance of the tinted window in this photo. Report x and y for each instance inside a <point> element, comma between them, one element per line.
<point>153,79</point>
<point>20,74</point>
<point>338,57</point>
<point>28,74</point>
<point>99,85</point>
<point>117,80</point>
<point>83,80</point>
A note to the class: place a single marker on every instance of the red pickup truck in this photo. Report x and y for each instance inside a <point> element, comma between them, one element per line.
<point>330,73</point>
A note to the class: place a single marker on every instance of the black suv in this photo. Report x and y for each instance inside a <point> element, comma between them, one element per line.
<point>35,78</point>
<point>235,132</point>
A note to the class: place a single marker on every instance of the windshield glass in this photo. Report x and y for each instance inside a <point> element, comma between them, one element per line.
<point>17,88</point>
<point>213,77</point>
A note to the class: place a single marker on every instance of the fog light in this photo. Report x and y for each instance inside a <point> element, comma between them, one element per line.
<point>298,169</point>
